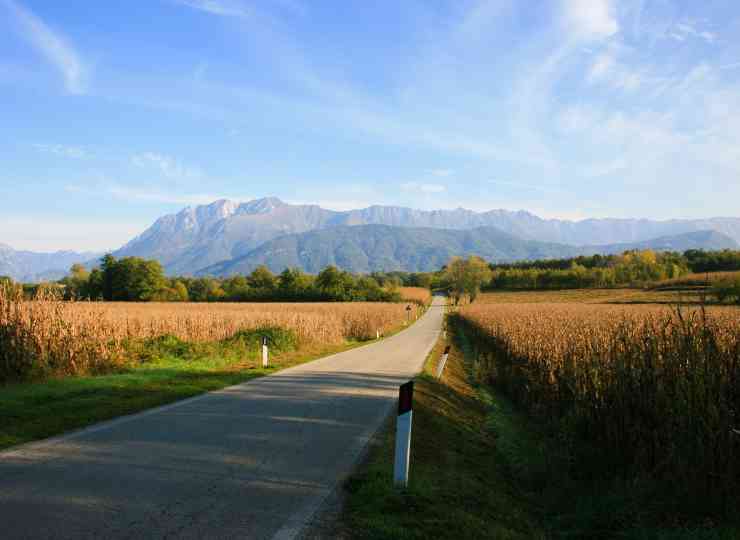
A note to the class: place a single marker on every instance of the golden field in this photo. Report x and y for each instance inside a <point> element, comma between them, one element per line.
<point>85,337</point>
<point>656,388</point>
<point>591,296</point>
<point>418,295</point>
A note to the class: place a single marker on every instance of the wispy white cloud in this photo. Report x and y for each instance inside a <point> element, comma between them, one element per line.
<point>601,67</point>
<point>442,173</point>
<point>168,166</point>
<point>688,29</point>
<point>526,186</point>
<point>156,196</point>
<point>63,150</point>
<point>590,19</point>
<point>423,187</point>
<point>149,195</point>
<point>221,8</point>
<point>52,46</point>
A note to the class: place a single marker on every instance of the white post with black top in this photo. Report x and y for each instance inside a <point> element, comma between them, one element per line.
<point>265,353</point>
<point>403,434</point>
<point>443,362</point>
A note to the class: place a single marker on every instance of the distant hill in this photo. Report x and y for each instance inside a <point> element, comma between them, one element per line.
<point>203,236</point>
<point>29,266</point>
<point>367,248</point>
<point>706,240</point>
<point>198,237</point>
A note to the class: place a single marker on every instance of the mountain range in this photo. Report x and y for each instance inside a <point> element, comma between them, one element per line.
<point>369,248</point>
<point>224,236</point>
<point>29,266</point>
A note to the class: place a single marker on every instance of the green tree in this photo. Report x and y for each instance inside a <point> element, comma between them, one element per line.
<point>262,279</point>
<point>108,269</point>
<point>476,272</point>
<point>335,284</point>
<point>455,278</point>
<point>181,291</point>
<point>203,289</point>
<point>292,283</point>
<point>236,288</point>
<point>131,279</point>
<point>75,284</point>
<point>93,288</point>
<point>466,277</point>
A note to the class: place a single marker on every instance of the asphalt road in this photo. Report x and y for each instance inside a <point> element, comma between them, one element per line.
<point>250,461</point>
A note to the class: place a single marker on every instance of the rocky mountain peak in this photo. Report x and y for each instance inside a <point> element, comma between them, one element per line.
<point>261,206</point>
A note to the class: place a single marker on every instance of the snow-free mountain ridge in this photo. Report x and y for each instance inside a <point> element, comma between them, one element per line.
<point>31,266</point>
<point>199,237</point>
<point>369,248</point>
<point>212,236</point>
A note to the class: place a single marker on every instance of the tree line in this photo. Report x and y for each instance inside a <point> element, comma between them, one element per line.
<point>133,279</point>
<point>137,279</point>
<point>603,271</point>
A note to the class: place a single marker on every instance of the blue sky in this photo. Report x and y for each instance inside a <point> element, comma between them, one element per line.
<point>113,113</point>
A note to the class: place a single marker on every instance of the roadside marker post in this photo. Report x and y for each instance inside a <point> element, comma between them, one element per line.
<point>442,362</point>
<point>403,434</point>
<point>265,353</point>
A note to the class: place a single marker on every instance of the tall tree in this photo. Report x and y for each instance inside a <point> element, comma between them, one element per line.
<point>262,279</point>
<point>108,268</point>
<point>455,278</point>
<point>476,273</point>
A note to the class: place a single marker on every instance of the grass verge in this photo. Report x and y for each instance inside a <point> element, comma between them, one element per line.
<point>482,469</point>
<point>172,370</point>
<point>457,487</point>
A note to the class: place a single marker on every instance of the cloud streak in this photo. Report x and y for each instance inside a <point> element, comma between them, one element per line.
<point>166,165</point>
<point>150,195</point>
<point>52,46</point>
<point>220,8</point>
<point>590,19</point>
<point>62,150</point>
<point>423,187</point>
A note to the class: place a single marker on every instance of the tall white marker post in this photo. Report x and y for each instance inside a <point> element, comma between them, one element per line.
<point>265,353</point>
<point>443,361</point>
<point>403,434</point>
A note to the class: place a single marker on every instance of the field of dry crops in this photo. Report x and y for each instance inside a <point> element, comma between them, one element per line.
<point>590,296</point>
<point>418,295</point>
<point>696,280</point>
<point>658,390</point>
<point>79,337</point>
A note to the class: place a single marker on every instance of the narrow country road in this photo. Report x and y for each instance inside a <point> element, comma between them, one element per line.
<point>251,461</point>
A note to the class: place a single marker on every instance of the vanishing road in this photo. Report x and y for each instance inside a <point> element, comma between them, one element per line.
<point>251,461</point>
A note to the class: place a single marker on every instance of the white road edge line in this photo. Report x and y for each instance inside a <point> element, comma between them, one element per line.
<point>299,520</point>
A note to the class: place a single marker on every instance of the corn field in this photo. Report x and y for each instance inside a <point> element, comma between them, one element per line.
<point>49,336</point>
<point>418,295</point>
<point>657,390</point>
